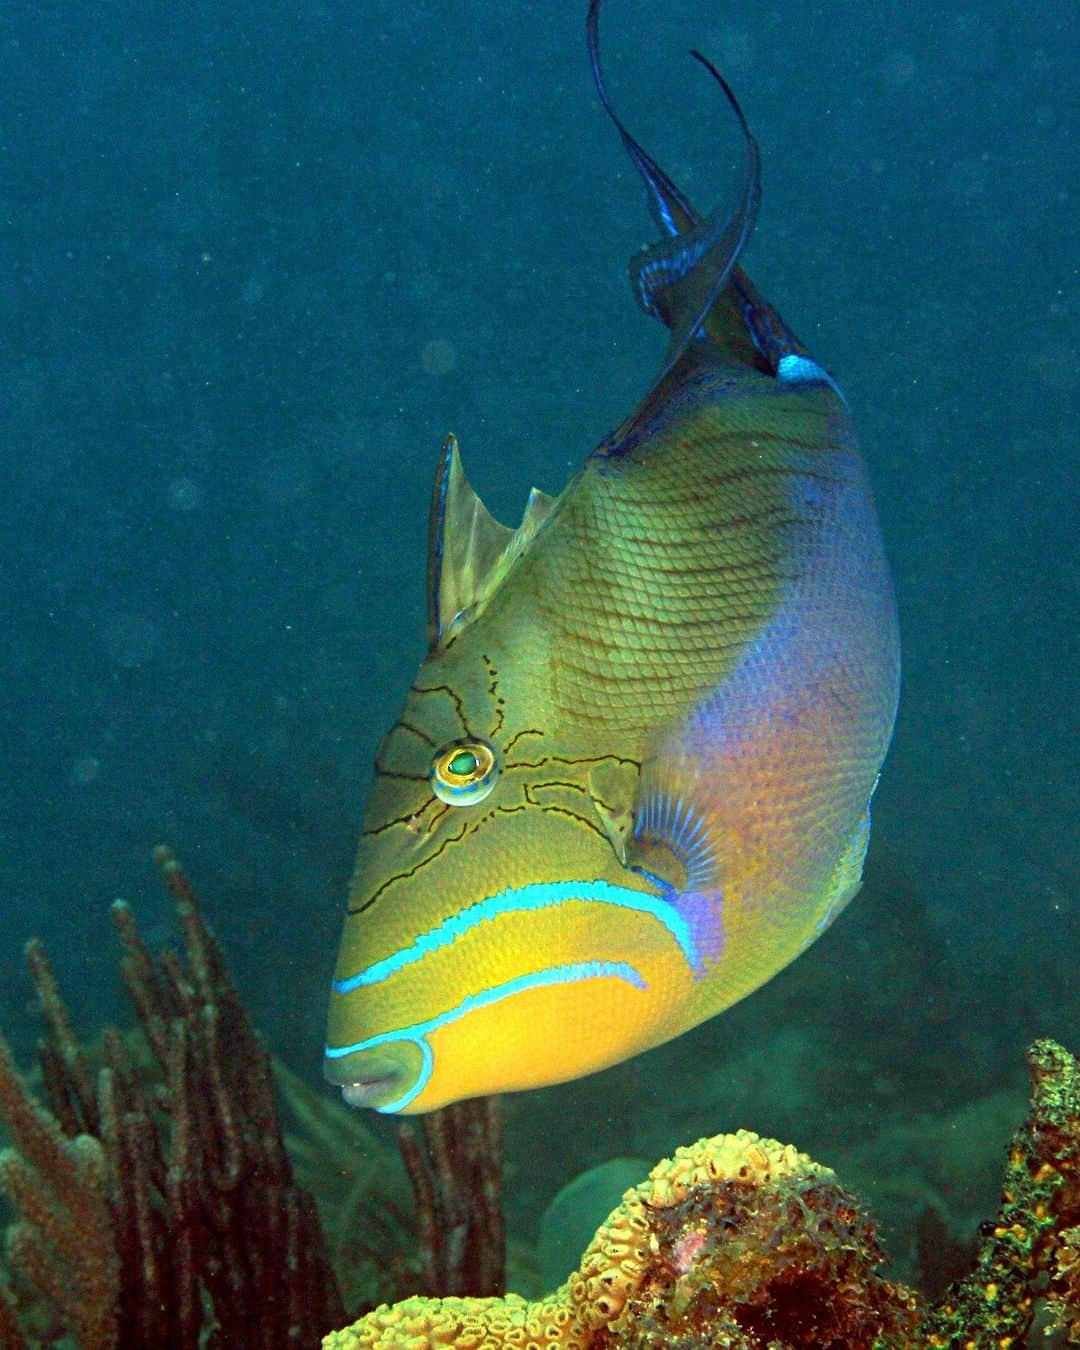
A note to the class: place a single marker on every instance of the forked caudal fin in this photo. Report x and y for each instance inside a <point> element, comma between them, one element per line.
<point>679,279</point>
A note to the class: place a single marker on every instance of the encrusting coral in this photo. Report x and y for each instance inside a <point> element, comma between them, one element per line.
<point>730,1235</point>
<point>744,1243</point>
<point>1035,1230</point>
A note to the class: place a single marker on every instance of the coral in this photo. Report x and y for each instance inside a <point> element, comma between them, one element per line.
<point>166,1144</point>
<point>1040,1203</point>
<point>744,1243</point>
<point>755,1244</point>
<point>198,1233</point>
<point>446,1238</point>
<point>457,1181</point>
<point>11,1332</point>
<point>171,1160</point>
<point>59,1186</point>
<point>731,1236</point>
<point>1065,1283</point>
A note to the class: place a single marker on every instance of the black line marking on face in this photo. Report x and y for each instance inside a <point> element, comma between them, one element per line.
<point>556,783</point>
<point>571,759</point>
<point>416,731</point>
<point>493,692</point>
<point>454,697</point>
<point>467,827</point>
<point>405,777</point>
<point>399,820</point>
<point>527,731</point>
<point>434,821</point>
<point>581,820</point>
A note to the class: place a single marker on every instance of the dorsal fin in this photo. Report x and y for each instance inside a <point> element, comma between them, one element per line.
<point>469,552</point>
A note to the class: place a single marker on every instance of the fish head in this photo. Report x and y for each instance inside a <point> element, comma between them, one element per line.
<point>469,957</point>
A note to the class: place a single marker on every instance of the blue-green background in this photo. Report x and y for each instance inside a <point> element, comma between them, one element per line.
<point>229,235</point>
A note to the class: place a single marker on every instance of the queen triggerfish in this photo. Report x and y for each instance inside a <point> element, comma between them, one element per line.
<point>631,780</point>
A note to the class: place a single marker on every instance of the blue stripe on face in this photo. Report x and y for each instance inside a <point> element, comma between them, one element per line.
<point>537,979</point>
<point>537,895</point>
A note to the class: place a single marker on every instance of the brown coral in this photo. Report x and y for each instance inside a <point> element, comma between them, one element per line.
<point>457,1181</point>
<point>1065,1284</point>
<point>730,1235</point>
<point>59,1185</point>
<point>161,1211</point>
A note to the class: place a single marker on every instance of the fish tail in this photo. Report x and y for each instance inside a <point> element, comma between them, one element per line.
<point>681,278</point>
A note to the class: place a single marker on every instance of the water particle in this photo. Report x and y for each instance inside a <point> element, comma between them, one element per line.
<point>283,480</point>
<point>439,357</point>
<point>184,494</point>
<point>85,770</point>
<point>132,640</point>
<point>898,70</point>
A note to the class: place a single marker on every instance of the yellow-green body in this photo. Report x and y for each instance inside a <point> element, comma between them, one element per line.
<point>683,672</point>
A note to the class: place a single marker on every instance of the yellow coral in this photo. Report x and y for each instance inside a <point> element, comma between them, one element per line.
<point>613,1268</point>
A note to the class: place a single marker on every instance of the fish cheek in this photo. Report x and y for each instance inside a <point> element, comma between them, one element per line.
<point>581,988</point>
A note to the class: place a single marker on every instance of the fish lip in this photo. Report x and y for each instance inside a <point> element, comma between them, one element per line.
<point>380,1084</point>
<point>365,1091</point>
<point>374,1079</point>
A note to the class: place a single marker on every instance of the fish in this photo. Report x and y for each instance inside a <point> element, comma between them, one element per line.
<point>631,780</point>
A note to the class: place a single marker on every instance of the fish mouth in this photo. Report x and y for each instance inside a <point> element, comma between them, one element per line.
<point>371,1080</point>
<point>368,1091</point>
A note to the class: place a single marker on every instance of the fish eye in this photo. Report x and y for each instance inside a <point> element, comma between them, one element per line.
<point>464,772</point>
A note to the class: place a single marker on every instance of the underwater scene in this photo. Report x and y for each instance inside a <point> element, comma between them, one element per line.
<point>490,494</point>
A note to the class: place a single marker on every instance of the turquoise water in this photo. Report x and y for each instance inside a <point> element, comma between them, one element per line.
<point>257,261</point>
